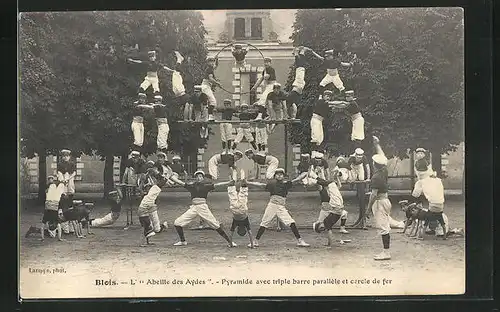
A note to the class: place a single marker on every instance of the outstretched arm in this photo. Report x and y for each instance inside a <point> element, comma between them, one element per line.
<point>258,184</point>
<point>316,55</point>
<point>302,175</point>
<point>345,64</point>
<point>222,183</point>
<point>167,68</point>
<point>135,61</point>
<point>338,104</point>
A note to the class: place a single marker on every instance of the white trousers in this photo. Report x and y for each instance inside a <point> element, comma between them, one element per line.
<point>381,213</point>
<point>163,130</point>
<point>151,81</point>
<point>177,84</point>
<point>243,133</point>
<point>67,227</point>
<point>299,81</point>
<point>238,201</point>
<point>324,213</point>
<point>358,172</point>
<point>317,135</point>
<point>155,221</point>
<point>268,89</point>
<point>279,211</point>
<point>194,212</point>
<point>138,132</point>
<point>261,135</point>
<point>226,132</point>
<point>358,128</point>
<point>207,89</point>
<point>213,167</point>
<point>272,165</point>
<point>108,219</point>
<point>335,79</point>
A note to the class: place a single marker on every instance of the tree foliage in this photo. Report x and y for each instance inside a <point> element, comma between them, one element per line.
<point>407,74</point>
<point>76,88</point>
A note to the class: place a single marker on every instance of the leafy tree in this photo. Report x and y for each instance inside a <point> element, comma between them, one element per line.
<point>77,87</point>
<point>407,74</point>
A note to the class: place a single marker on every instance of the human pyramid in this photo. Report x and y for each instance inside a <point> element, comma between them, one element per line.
<point>147,178</point>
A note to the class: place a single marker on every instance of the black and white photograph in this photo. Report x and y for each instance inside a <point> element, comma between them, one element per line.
<point>241,153</point>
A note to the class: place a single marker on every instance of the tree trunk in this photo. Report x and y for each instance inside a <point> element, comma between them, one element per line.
<point>108,174</point>
<point>436,161</point>
<point>123,164</point>
<point>42,174</point>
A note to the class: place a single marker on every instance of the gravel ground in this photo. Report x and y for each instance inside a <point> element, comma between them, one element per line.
<point>83,268</point>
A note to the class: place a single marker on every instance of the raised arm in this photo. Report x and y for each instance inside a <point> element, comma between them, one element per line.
<point>376,145</point>
<point>257,84</point>
<point>211,78</point>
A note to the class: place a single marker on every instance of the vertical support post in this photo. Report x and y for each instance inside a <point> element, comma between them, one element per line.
<point>286,147</point>
<point>412,169</point>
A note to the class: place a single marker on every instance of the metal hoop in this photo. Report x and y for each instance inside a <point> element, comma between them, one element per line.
<point>231,44</point>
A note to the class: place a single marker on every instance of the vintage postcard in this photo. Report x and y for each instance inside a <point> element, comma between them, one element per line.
<point>241,153</point>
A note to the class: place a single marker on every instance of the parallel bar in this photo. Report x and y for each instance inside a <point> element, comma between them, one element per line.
<point>289,121</point>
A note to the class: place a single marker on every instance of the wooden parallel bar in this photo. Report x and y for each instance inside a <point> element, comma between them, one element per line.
<point>285,121</point>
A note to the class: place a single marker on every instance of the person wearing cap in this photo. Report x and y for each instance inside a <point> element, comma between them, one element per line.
<point>50,220</point>
<point>320,166</point>
<point>208,83</point>
<point>278,189</point>
<point>359,165</point>
<point>161,115</point>
<point>134,168</point>
<point>269,78</point>
<point>152,66</point>
<point>351,108</point>
<point>276,102</point>
<point>165,169</point>
<point>379,201</point>
<point>271,162</point>
<point>226,129</point>
<point>331,64</point>
<point>431,187</point>
<point>199,192</point>
<point>66,173</point>
<point>321,110</point>
<point>238,204</point>
<point>148,209</point>
<point>178,88</point>
<point>305,170</point>
<point>299,83</point>
<point>228,159</point>
<point>239,54</point>
<point>199,103</point>
<point>423,169</point>
<point>422,164</point>
<point>332,207</point>
<point>139,111</point>
<point>261,128</point>
<point>244,129</point>
<point>115,199</point>
<point>177,168</point>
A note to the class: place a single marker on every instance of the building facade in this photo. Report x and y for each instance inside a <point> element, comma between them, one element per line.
<point>266,33</point>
